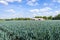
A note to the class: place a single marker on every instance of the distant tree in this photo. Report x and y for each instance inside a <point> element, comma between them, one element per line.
<point>27,18</point>
<point>41,17</point>
<point>57,17</point>
<point>21,19</point>
<point>38,17</point>
<point>44,17</point>
<point>50,17</point>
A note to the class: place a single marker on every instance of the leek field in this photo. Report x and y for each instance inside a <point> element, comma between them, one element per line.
<point>30,30</point>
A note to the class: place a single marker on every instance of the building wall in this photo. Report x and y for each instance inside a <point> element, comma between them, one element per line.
<point>38,19</point>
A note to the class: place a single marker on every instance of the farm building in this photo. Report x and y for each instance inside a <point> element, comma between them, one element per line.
<point>38,19</point>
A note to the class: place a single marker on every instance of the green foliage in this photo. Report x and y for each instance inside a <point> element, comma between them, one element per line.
<point>50,17</point>
<point>41,17</point>
<point>38,17</point>
<point>45,17</point>
<point>17,19</point>
<point>57,17</point>
<point>30,30</point>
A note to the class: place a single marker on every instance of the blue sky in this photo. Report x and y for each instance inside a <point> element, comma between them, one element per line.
<point>28,8</point>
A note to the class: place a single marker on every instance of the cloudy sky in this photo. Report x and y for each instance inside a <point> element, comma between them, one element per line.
<point>28,8</point>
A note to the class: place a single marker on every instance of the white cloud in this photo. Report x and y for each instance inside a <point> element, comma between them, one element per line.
<point>35,10</point>
<point>11,10</point>
<point>17,15</point>
<point>4,2</point>
<point>54,13</point>
<point>43,11</point>
<point>32,2</point>
<point>56,1</point>
<point>34,14</point>
<point>57,12</point>
<point>46,9</point>
<point>13,0</point>
<point>45,4</point>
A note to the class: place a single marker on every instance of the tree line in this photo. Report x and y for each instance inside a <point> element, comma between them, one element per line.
<point>44,17</point>
<point>57,17</point>
<point>18,19</point>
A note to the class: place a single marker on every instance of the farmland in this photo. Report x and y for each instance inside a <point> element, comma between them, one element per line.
<point>30,30</point>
